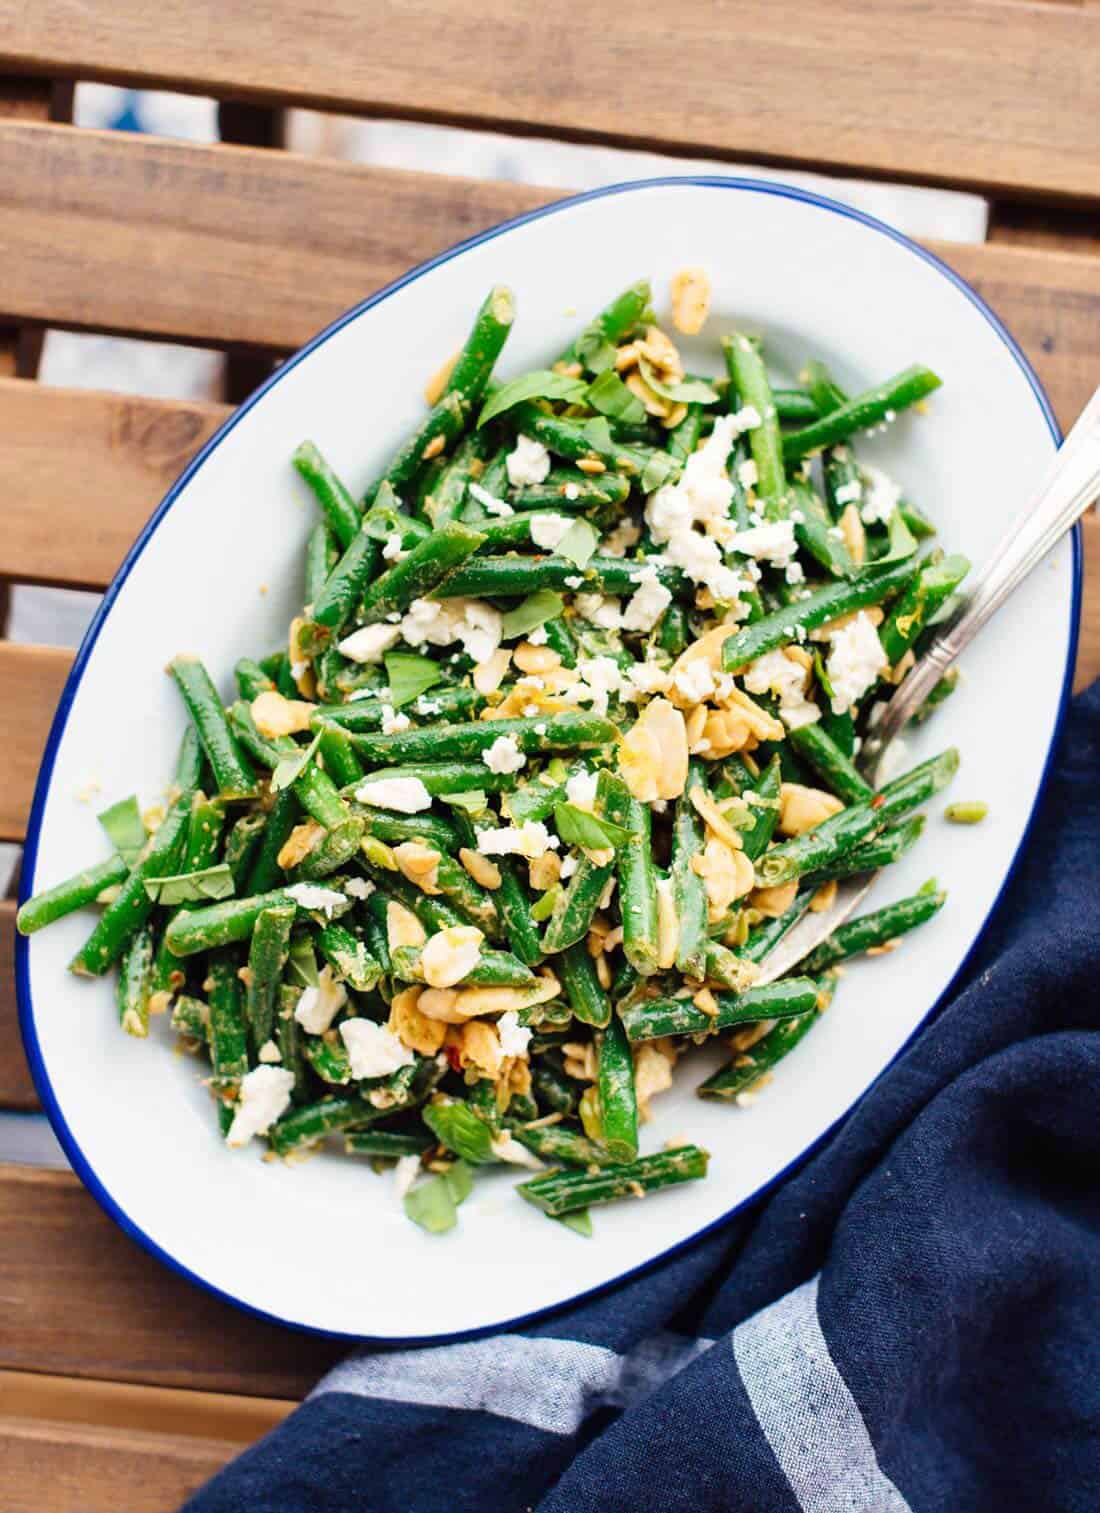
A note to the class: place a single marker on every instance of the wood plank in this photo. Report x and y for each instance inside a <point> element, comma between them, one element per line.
<point>64,1468</point>
<point>813,82</point>
<point>130,450</point>
<point>16,1087</point>
<point>31,678</point>
<point>83,1300</point>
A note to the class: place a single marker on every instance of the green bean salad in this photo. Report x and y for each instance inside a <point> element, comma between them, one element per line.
<point>563,741</point>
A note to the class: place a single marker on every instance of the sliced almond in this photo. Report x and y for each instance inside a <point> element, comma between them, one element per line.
<point>482,869</point>
<point>727,874</point>
<point>713,817</point>
<point>725,731</point>
<point>655,404</point>
<point>456,1006</point>
<point>668,924</point>
<point>535,659</point>
<point>825,897</point>
<point>544,871</point>
<point>855,537</point>
<point>451,955</point>
<point>419,863</point>
<point>690,300</point>
<point>652,1074</point>
<point>275,716</point>
<point>300,668</point>
<point>402,927</point>
<point>489,675</point>
<point>299,843</point>
<point>434,388</point>
<point>479,1047</point>
<point>772,902</point>
<point>413,1028</point>
<point>653,757</point>
<point>764,727</point>
<point>802,808</point>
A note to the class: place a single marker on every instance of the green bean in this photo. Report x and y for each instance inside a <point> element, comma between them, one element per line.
<point>943,690</point>
<point>277,668</point>
<point>885,848</point>
<point>878,929</point>
<point>251,679</point>
<point>473,365</point>
<point>384,519</point>
<point>618,1101</point>
<point>821,846</point>
<point>328,1057</point>
<point>374,931</point>
<point>747,372</point>
<point>587,999</point>
<point>513,905</point>
<point>446,743</point>
<point>552,1088</point>
<point>688,889</point>
<point>234,776</point>
<point>288,1037</point>
<point>433,913</point>
<point>265,872</point>
<point>817,748</point>
<point>576,904</point>
<point>337,505</point>
<point>637,877</point>
<point>764,810</point>
<point>875,407</point>
<point>313,1121</point>
<point>560,638</point>
<point>393,828</point>
<point>191,1017</point>
<point>825,604</point>
<point>445,499</point>
<point>930,589</point>
<point>368,714</point>
<point>456,1126</point>
<point>189,763</point>
<point>919,524</point>
<point>228,1041</point>
<point>470,898</point>
<point>423,570</point>
<point>815,532</point>
<point>386,1145</point>
<point>349,958</point>
<point>482,1100</point>
<point>135,971</point>
<point>826,394</point>
<point>564,1192</point>
<point>555,1143</point>
<point>242,845</point>
<point>133,906</point>
<point>682,439</point>
<point>747,1067</point>
<point>768,934</point>
<point>795,406</point>
<point>592,440</point>
<point>446,777</point>
<point>317,569</point>
<point>83,888</point>
<point>652,1019</point>
<point>916,786</point>
<point>230,920</point>
<point>494,969</point>
<point>502,577</point>
<point>447,419</point>
<point>338,756</point>
<point>843,481</point>
<point>204,833</point>
<point>593,347</point>
<point>266,959</point>
<point>571,491</point>
<point>727,968</point>
<point>337,601</point>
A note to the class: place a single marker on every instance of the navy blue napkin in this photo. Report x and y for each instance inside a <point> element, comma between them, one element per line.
<point>911,1322</point>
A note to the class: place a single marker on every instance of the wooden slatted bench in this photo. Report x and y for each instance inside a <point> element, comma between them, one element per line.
<point>131,1385</point>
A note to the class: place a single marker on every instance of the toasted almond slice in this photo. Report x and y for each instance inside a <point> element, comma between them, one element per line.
<point>653,757</point>
<point>299,843</point>
<point>402,927</point>
<point>275,716</point>
<point>451,955</point>
<point>825,897</point>
<point>489,675</point>
<point>763,725</point>
<point>713,817</point>
<point>802,808</point>
<point>433,389</point>
<point>413,1028</point>
<point>668,924</point>
<point>772,902</point>
<point>419,863</point>
<point>535,660</point>
<point>690,300</point>
<point>482,869</point>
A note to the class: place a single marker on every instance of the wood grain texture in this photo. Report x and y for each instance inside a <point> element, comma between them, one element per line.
<point>64,1468</point>
<point>995,94</point>
<point>31,678</point>
<point>16,1087</point>
<point>82,1299</point>
<point>130,449</point>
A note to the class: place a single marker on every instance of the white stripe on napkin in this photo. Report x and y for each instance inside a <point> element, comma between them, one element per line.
<point>549,1384</point>
<point>807,1414</point>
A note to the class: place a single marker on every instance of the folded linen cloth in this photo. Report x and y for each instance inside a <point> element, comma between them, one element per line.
<point>908,1323</point>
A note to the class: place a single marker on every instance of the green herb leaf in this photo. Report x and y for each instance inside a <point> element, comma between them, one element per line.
<point>460,1181</point>
<point>611,397</point>
<point>456,1126</point>
<point>580,1221</point>
<point>292,767</point>
<point>533,800</point>
<point>125,828</point>
<point>191,887</point>
<point>541,384</point>
<point>301,965</point>
<point>901,544</point>
<point>431,1204</point>
<point>579,828</point>
<point>659,468</point>
<point>410,675</point>
<point>474,802</point>
<point>689,391</point>
<point>578,544</point>
<point>594,350</point>
<point>543,907</point>
<point>531,612</point>
<point>598,433</point>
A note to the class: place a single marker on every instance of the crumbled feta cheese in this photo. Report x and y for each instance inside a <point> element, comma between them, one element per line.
<point>694,680</point>
<point>504,755</point>
<point>701,496</point>
<point>319,1006</point>
<point>428,706</point>
<point>619,541</point>
<point>747,475</point>
<point>514,1037</point>
<point>406,795</point>
<point>608,893</point>
<point>580,789</point>
<point>648,602</point>
<point>358,887</point>
<point>393,722</point>
<point>312,896</point>
<point>771,542</point>
<point>778,674</point>
<point>440,622</point>
<point>530,840</point>
<point>881,498</point>
<point>369,643</point>
<point>405,1174</point>
<point>537,637</point>
<point>649,677</point>
<point>746,419</point>
<point>574,580</point>
<point>794,572</point>
<point>540,729</point>
<point>374,1050</point>
<point>392,551</point>
<point>568,867</point>
<point>528,462</point>
<point>506,1147</point>
<point>548,530</point>
<point>572,491</point>
<point>489,502</point>
<point>264,1096</point>
<point>856,658</point>
<point>269,1052</point>
<point>600,676</point>
<point>599,609</point>
<point>849,493</point>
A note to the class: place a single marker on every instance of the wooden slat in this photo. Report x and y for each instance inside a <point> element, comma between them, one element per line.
<point>130,450</point>
<point>989,92</point>
<point>64,1468</point>
<point>16,1088</point>
<point>81,1299</point>
<point>31,678</point>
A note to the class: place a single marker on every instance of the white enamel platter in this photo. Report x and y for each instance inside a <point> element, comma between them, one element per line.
<point>324,1245</point>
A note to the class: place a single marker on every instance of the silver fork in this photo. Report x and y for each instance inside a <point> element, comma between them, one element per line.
<point>1070,485</point>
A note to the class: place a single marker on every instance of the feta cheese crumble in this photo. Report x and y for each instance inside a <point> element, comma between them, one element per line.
<point>530,840</point>
<point>580,789</point>
<point>393,722</point>
<point>319,1006</point>
<point>548,530</point>
<point>430,622</point>
<point>374,1050</point>
<point>269,1052</point>
<point>514,1037</point>
<point>695,680</point>
<point>265,1095</point>
<point>881,497</point>
<point>648,602</point>
<point>405,795</point>
<point>369,643</point>
<point>781,675</point>
<point>850,492</point>
<point>599,609</point>
<point>856,658</point>
<point>504,755</point>
<point>489,502</point>
<point>747,474</point>
<point>528,462</point>
<point>312,896</point>
<point>358,887</point>
<point>771,542</point>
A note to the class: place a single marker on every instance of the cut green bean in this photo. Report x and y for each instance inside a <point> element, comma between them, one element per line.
<point>386,1145</point>
<point>750,378</point>
<point>232,773</point>
<point>424,569</point>
<point>688,889</point>
<point>968,812</point>
<point>576,905</point>
<point>234,919</point>
<point>874,931</point>
<point>735,1079</point>
<point>311,1123</point>
<point>817,748</point>
<point>929,591</point>
<point>266,959</point>
<point>637,877</point>
<point>877,406</point>
<point>338,599</point>
<point>564,1192</point>
<point>494,969</point>
<point>251,679</point>
<point>444,743</point>
<point>228,1038</point>
<point>83,888</point>
<point>652,1019</point>
<point>587,999</point>
<point>559,1145</point>
<point>349,958</point>
<point>503,577</point>
<point>135,972</point>
<point>885,848</point>
<point>618,1101</point>
<point>337,504</point>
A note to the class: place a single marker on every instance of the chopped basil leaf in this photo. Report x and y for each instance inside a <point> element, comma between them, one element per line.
<point>473,802</point>
<point>659,468</point>
<point>578,544</point>
<point>292,767</point>
<point>687,391</point>
<point>598,434</point>
<point>125,828</point>
<point>410,676</point>
<point>191,887</point>
<point>901,544</point>
<point>460,1180</point>
<point>301,962</point>
<point>543,907</point>
<point>594,350</point>
<point>611,397</point>
<point>431,1204</point>
<point>541,384</point>
<point>579,828</point>
<point>532,612</point>
<point>532,801</point>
